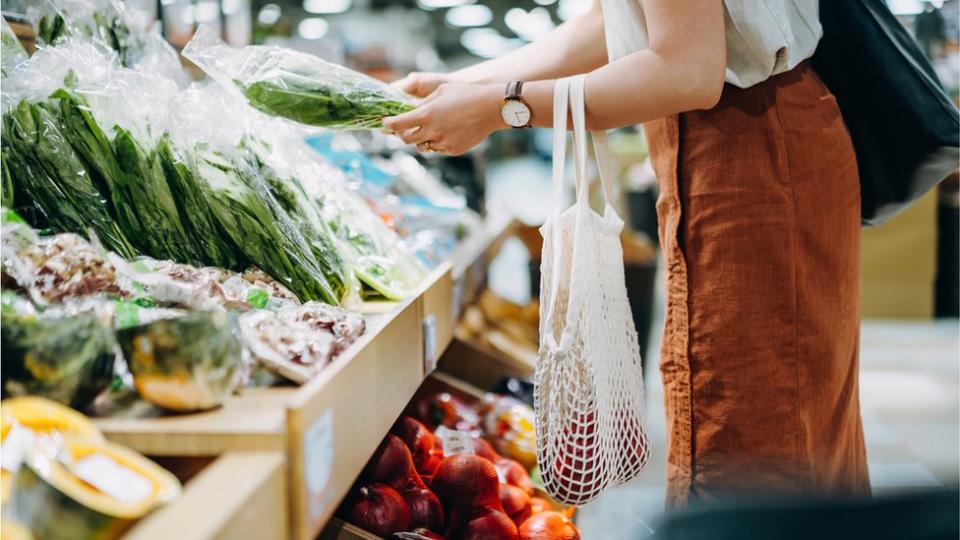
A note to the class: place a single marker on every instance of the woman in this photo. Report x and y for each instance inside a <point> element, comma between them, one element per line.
<point>759,222</point>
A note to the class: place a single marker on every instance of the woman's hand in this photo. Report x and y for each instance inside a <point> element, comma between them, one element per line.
<point>420,84</point>
<point>453,119</point>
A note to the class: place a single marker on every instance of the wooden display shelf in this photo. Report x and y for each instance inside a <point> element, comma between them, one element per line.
<point>328,428</point>
<point>239,495</point>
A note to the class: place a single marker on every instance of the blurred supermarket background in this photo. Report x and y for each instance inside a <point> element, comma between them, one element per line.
<point>910,338</point>
<point>911,347</point>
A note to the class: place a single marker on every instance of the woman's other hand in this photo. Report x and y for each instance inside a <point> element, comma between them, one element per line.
<point>422,84</point>
<point>452,119</point>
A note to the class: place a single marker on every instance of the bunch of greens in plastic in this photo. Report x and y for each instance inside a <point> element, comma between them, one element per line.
<point>295,85</point>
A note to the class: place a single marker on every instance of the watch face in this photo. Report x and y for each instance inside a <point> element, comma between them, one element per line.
<point>515,113</point>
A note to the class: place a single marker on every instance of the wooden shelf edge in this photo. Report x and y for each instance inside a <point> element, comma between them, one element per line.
<point>240,495</point>
<point>252,420</point>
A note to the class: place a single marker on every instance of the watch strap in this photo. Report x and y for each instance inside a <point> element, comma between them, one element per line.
<point>513,90</point>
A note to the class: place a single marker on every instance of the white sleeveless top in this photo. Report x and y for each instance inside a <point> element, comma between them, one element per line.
<point>764,37</point>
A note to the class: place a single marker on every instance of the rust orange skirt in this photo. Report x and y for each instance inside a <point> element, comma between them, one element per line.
<point>760,227</point>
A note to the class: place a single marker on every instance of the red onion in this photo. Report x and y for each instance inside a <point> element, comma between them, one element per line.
<point>380,510</point>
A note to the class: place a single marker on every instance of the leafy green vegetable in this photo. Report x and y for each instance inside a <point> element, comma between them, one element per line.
<point>215,244</point>
<point>106,28</point>
<point>255,222</point>
<point>144,187</point>
<point>51,27</point>
<point>257,297</point>
<point>321,103</point>
<point>96,152</point>
<point>60,184</point>
<point>385,268</point>
<point>292,198</point>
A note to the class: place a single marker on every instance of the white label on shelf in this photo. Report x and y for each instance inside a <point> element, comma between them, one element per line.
<point>119,482</point>
<point>429,344</point>
<point>18,440</point>
<point>318,462</point>
<point>458,285</point>
<point>454,442</point>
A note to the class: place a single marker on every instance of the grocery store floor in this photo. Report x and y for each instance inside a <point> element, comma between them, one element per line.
<point>909,392</point>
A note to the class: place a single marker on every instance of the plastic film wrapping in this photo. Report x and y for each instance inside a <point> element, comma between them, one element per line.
<point>295,85</point>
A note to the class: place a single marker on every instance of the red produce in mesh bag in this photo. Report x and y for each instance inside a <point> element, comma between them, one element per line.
<point>515,503</point>
<point>379,509</point>
<point>421,442</point>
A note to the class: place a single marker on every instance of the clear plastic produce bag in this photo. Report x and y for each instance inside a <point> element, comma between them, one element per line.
<point>588,386</point>
<point>295,85</point>
<point>112,25</point>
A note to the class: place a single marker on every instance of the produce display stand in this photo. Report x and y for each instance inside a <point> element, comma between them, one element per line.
<point>239,495</point>
<point>439,381</point>
<point>290,454</point>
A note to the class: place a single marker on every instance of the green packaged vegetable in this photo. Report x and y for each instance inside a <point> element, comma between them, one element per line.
<point>66,359</point>
<point>186,363</point>
<point>295,85</point>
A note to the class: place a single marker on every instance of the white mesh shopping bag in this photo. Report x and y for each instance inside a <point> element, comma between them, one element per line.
<point>588,387</point>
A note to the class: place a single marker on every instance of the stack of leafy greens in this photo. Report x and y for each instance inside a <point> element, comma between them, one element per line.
<point>295,85</point>
<point>150,169</point>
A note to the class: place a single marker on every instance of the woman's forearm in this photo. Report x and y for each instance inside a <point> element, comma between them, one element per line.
<point>652,85</point>
<point>683,69</point>
<point>576,46</point>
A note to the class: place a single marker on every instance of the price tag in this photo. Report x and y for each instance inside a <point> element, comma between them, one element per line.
<point>318,462</point>
<point>455,442</point>
<point>429,344</point>
<point>19,440</point>
<point>458,286</point>
<point>119,482</point>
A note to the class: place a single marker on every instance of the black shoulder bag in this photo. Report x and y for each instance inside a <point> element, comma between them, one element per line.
<point>905,129</point>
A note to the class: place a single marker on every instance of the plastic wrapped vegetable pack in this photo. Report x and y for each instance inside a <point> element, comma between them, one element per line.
<point>67,359</point>
<point>11,51</point>
<point>81,488</point>
<point>295,85</point>
<point>94,145</point>
<point>379,266</point>
<point>297,341</point>
<point>110,24</point>
<point>187,362</point>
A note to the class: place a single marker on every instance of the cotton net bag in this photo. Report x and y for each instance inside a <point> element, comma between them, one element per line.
<point>588,387</point>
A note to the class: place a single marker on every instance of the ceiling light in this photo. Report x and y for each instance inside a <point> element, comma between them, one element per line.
<point>231,6</point>
<point>437,4</point>
<point>269,15</point>
<point>313,28</point>
<point>569,9</point>
<point>326,6</point>
<point>545,2</point>
<point>465,16</point>
<point>487,42</point>
<point>529,25</point>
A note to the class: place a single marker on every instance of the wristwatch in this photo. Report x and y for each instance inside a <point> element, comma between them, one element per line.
<point>515,112</point>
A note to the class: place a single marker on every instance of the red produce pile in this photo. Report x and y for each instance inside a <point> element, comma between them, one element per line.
<point>410,486</point>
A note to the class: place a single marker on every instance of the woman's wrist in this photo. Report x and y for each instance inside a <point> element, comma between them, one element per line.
<point>492,102</point>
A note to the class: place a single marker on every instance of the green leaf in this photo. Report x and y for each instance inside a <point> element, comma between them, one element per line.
<point>126,315</point>
<point>257,297</point>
